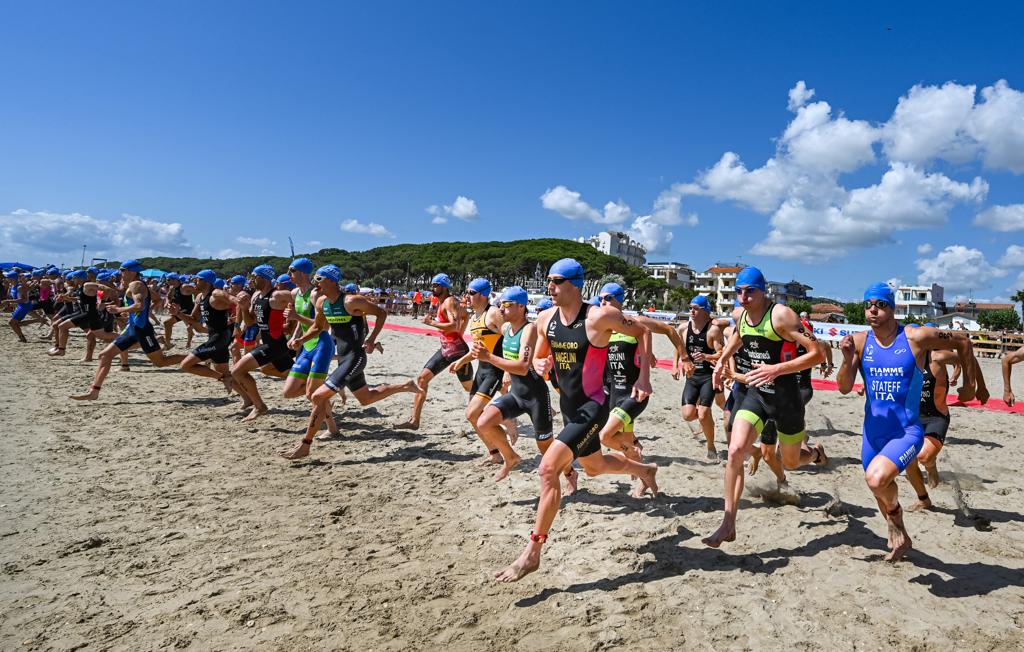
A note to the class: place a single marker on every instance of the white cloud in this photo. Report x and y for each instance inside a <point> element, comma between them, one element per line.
<point>930,122</point>
<point>1002,218</point>
<point>439,220</point>
<point>463,208</point>
<point>906,197</point>
<point>616,211</point>
<point>958,269</point>
<point>894,282</point>
<point>692,219</point>
<point>799,95</point>
<point>760,190</point>
<point>1014,257</point>
<point>924,248</point>
<point>655,237</point>
<point>568,203</point>
<point>60,236</point>
<point>229,253</point>
<point>255,242</point>
<point>998,126</point>
<point>314,243</point>
<point>374,229</point>
<point>816,141</point>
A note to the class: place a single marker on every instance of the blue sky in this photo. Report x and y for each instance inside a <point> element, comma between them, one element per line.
<point>214,128</point>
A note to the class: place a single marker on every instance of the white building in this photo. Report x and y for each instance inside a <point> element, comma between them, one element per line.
<point>921,301</point>
<point>675,274</point>
<point>718,284</point>
<point>618,244</point>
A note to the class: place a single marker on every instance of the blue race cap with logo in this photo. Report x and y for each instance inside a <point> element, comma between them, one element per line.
<point>285,281</point>
<point>569,269</point>
<point>880,291</point>
<point>351,287</point>
<point>265,271</point>
<point>207,275</point>
<point>613,289</point>
<point>132,265</point>
<point>304,265</point>
<point>545,303</point>
<point>330,272</point>
<point>701,302</point>
<point>237,279</point>
<point>751,277</point>
<point>481,285</point>
<point>515,294</point>
<point>442,280</point>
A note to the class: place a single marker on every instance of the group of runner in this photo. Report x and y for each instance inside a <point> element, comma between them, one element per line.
<point>596,357</point>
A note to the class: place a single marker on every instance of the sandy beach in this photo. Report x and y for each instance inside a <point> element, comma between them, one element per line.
<point>153,519</point>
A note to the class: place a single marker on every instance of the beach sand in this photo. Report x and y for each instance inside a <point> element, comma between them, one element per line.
<point>152,519</point>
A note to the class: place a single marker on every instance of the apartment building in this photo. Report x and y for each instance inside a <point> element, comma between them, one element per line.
<point>920,301</point>
<point>675,274</point>
<point>618,244</point>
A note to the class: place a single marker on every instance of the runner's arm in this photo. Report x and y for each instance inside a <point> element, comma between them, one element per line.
<point>850,346</point>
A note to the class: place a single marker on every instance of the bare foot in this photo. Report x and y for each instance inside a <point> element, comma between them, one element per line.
<point>520,568</point>
<point>725,532</point>
<point>571,479</point>
<point>491,458</point>
<point>820,458</point>
<point>933,474</point>
<point>510,464</point>
<point>327,435</point>
<point>91,396</point>
<point>982,395</point>
<point>406,425</point>
<point>712,454</point>
<point>256,413</point>
<point>228,383</point>
<point>919,505</point>
<point>53,353</point>
<point>87,358</point>
<point>901,542</point>
<point>168,346</point>
<point>125,367</point>
<point>637,490</point>
<point>755,461</point>
<point>648,480</point>
<point>299,451</point>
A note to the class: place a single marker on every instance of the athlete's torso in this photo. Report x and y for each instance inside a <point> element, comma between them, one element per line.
<point>349,331</point>
<point>579,365</point>
<point>269,320</point>
<point>929,397</point>
<point>761,344</point>
<point>623,366</point>
<point>216,320</point>
<point>481,332</point>
<point>698,342</point>
<point>892,382</point>
<point>511,348</point>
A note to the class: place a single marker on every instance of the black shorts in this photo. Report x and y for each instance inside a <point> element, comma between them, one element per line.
<point>144,336</point>
<point>88,322</point>
<point>806,393</point>
<point>699,390</point>
<point>487,381</point>
<point>439,362</point>
<point>107,321</point>
<point>784,407</point>
<point>65,310</point>
<point>215,348</point>
<point>274,352</point>
<point>626,408</point>
<point>935,427</point>
<point>46,306</point>
<point>583,427</point>
<point>537,406</point>
<point>349,372</point>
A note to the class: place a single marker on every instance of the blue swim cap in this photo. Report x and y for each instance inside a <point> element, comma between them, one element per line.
<point>880,291</point>
<point>219,284</point>
<point>171,276</point>
<point>237,279</point>
<point>481,285</point>
<point>52,271</point>
<point>569,269</point>
<point>94,270</point>
<point>545,303</point>
<point>103,276</point>
<point>207,275</point>
<point>932,324</point>
<point>132,265</point>
<point>613,289</point>
<point>304,265</point>
<point>80,274</point>
<point>265,271</point>
<point>286,281</point>
<point>594,301</point>
<point>751,277</point>
<point>351,287</point>
<point>701,302</point>
<point>330,272</point>
<point>11,274</point>
<point>38,273</point>
<point>442,280</point>
<point>515,294</point>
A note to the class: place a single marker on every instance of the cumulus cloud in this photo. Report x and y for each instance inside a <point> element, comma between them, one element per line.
<point>655,237</point>
<point>1002,218</point>
<point>799,95</point>
<point>931,122</point>
<point>61,235</point>
<point>1014,257</point>
<point>958,269</point>
<point>998,127</point>
<point>814,140</point>
<point>229,253</point>
<point>374,229</point>
<point>569,203</point>
<point>924,248</point>
<point>462,208</point>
